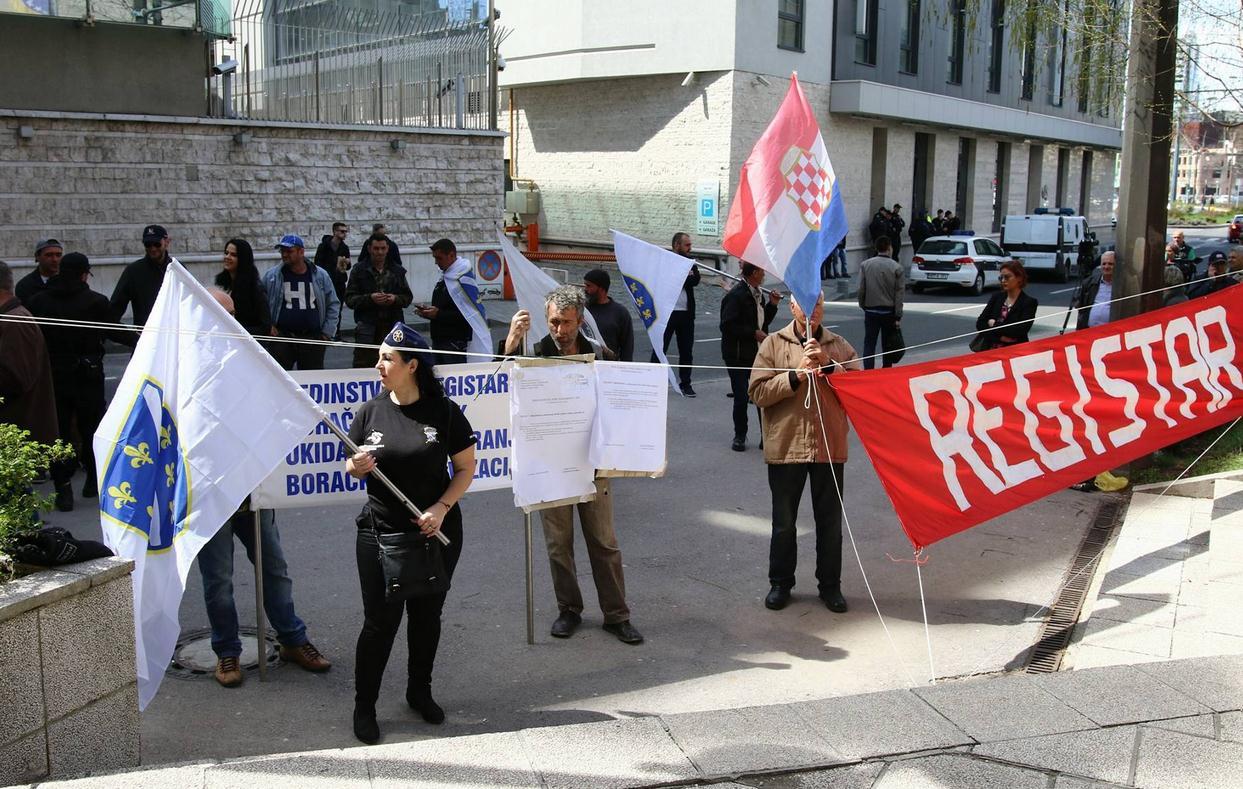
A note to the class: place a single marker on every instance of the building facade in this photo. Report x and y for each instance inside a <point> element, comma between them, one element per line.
<point>627,116</point>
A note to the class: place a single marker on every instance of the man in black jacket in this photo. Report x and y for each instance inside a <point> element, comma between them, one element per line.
<point>77,356</point>
<point>141,280</point>
<point>745,316</point>
<point>333,256</point>
<point>377,292</point>
<point>48,253</point>
<point>682,318</point>
<point>394,254</point>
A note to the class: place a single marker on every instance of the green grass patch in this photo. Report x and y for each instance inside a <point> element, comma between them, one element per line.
<point>1226,455</point>
<point>1189,215</point>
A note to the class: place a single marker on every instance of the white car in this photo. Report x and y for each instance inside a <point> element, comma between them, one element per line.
<point>965,261</point>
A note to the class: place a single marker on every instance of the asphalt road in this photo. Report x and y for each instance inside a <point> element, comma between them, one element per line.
<point>695,548</point>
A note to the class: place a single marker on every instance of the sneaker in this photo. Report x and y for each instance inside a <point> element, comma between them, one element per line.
<point>687,391</point>
<point>229,672</point>
<point>306,656</point>
<point>625,632</point>
<point>565,625</point>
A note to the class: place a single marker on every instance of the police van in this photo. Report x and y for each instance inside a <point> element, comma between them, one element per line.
<point>1047,240</point>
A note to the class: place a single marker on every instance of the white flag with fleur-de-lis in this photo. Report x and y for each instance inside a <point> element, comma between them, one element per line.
<point>201,416</point>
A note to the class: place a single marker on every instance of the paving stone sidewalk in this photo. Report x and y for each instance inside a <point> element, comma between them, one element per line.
<point>1162,724</point>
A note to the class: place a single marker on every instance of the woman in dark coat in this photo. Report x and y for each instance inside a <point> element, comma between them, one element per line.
<point>240,279</point>
<point>1008,316</point>
<point>411,431</point>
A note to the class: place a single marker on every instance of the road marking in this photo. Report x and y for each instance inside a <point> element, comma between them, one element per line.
<point>1063,290</point>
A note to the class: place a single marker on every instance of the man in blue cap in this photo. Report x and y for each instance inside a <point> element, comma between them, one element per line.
<point>304,306</point>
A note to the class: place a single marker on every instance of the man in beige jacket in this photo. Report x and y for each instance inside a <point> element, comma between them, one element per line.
<point>803,438</point>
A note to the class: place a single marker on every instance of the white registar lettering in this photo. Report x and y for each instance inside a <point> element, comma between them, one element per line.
<point>1219,360</point>
<point>1070,453</point>
<point>1144,339</point>
<point>1119,388</point>
<point>958,440</point>
<point>985,419</point>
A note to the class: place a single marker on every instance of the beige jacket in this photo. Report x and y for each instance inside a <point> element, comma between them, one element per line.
<point>792,432</point>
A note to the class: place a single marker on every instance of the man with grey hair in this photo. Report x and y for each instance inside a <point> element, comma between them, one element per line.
<point>563,311</point>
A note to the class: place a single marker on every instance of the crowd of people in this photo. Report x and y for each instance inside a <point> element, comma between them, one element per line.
<point>413,433</point>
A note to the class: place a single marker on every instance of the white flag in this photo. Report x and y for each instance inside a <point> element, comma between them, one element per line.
<point>201,415</point>
<point>654,277</point>
<point>464,290</point>
<point>531,285</point>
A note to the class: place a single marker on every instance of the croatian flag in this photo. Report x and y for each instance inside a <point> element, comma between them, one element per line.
<point>788,213</point>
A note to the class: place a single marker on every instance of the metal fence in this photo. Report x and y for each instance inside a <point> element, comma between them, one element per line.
<point>323,61</point>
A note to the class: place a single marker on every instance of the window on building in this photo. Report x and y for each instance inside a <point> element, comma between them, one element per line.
<point>996,46</point>
<point>910,38</point>
<point>1001,184</point>
<point>865,32</point>
<point>958,40</point>
<point>1217,173</point>
<point>1029,64</point>
<point>1085,184</point>
<point>1057,69</point>
<point>790,24</point>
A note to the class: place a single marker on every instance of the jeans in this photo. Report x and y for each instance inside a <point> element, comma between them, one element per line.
<point>216,567</point>
<point>738,380</point>
<point>786,481</point>
<point>603,553</point>
<point>681,323</point>
<point>876,321</point>
<point>834,265</point>
<point>381,621</point>
<point>304,356</point>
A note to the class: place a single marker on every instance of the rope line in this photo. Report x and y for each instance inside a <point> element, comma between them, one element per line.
<point>492,356</point>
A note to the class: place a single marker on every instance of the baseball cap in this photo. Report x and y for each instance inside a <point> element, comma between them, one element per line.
<point>153,233</point>
<point>47,243</point>
<point>1215,257</point>
<point>290,241</point>
<point>598,277</point>
<point>75,264</point>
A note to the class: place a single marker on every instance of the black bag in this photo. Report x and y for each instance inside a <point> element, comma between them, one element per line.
<point>413,565</point>
<point>893,345</point>
<point>981,342</point>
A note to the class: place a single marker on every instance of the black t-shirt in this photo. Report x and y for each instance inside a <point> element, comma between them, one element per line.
<point>412,445</point>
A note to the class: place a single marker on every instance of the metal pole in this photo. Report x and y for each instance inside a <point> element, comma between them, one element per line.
<point>459,100</point>
<point>379,475</point>
<point>318,117</point>
<point>261,624</point>
<point>493,88</point>
<point>380,88</point>
<point>526,518</point>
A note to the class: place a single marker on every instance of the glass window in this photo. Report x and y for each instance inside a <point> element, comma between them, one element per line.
<point>958,40</point>
<point>1029,64</point>
<point>910,38</point>
<point>996,45</point>
<point>1057,69</point>
<point>943,246</point>
<point>790,25</point>
<point>865,32</point>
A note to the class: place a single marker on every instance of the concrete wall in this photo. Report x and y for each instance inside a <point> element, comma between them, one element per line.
<point>68,680</point>
<point>61,64</point>
<point>94,182</point>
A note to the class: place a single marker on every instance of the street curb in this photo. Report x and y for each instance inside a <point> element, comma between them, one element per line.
<point>1200,487</point>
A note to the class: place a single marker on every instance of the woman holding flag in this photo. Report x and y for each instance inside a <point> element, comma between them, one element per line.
<point>410,432</point>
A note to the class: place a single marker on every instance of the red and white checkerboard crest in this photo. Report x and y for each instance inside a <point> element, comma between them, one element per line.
<point>808,184</point>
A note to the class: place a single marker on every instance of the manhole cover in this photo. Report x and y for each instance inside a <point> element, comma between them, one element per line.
<point>194,657</point>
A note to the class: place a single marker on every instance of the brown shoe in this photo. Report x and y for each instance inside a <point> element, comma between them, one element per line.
<point>307,656</point>
<point>229,672</point>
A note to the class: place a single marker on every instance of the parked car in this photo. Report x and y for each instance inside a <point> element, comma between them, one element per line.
<point>962,260</point>
<point>1234,233</point>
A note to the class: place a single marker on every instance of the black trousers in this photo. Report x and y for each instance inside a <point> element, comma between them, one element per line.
<point>682,324</point>
<point>304,356</point>
<point>738,380</point>
<point>381,621</point>
<point>453,358</point>
<point>876,325</point>
<point>80,401</point>
<point>786,481</point>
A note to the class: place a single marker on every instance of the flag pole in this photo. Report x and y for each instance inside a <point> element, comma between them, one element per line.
<point>734,277</point>
<point>261,624</point>
<point>379,475</point>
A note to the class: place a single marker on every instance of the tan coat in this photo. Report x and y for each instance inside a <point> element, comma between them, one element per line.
<point>792,432</point>
<point>26,376</point>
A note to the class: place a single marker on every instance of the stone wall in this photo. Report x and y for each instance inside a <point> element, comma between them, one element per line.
<point>94,182</point>
<point>68,680</point>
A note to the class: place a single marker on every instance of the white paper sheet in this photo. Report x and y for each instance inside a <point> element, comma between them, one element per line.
<point>552,408</point>
<point>631,411</point>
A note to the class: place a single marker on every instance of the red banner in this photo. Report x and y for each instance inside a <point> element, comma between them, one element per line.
<point>958,441</point>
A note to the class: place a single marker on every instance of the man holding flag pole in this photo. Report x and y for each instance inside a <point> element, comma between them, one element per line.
<point>787,216</point>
